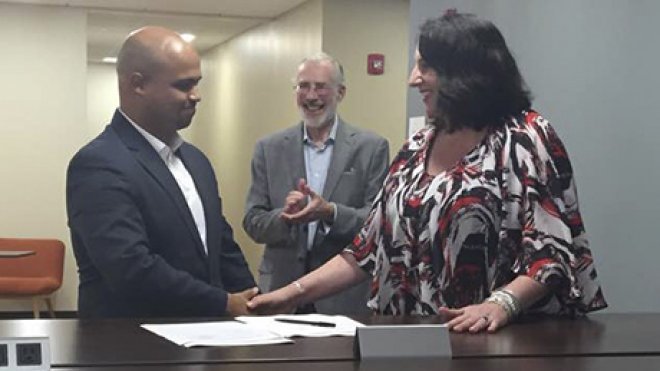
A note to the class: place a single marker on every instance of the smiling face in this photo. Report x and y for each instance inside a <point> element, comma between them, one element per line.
<point>318,93</point>
<point>426,80</point>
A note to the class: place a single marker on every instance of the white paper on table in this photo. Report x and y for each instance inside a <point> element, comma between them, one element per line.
<point>225,333</point>
<point>344,326</point>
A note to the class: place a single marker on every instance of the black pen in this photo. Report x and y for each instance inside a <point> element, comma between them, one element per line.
<point>303,322</point>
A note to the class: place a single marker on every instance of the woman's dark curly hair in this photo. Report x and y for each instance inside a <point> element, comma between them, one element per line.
<point>480,84</point>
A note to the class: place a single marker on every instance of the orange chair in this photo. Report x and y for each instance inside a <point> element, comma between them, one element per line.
<point>34,276</point>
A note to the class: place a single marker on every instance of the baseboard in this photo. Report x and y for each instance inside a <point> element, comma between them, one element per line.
<point>44,315</point>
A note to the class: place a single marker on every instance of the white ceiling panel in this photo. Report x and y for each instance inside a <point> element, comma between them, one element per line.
<point>212,21</point>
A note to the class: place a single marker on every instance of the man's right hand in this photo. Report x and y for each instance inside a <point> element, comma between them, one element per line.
<point>297,198</point>
<point>304,205</point>
<point>280,301</point>
<point>237,302</point>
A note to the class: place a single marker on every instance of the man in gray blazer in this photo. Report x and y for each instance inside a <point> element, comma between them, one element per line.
<point>312,187</point>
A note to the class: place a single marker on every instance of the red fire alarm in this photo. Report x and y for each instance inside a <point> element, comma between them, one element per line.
<point>375,64</point>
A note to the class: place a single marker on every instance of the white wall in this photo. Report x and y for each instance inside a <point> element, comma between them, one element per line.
<point>42,70</point>
<point>102,96</point>
<point>593,67</point>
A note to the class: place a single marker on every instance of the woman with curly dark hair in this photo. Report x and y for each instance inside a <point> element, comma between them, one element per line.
<point>478,217</point>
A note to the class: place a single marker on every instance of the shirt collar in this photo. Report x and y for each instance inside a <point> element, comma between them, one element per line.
<point>163,150</point>
<point>331,138</point>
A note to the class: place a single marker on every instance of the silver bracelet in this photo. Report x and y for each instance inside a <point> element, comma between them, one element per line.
<point>505,299</point>
<point>515,303</point>
<point>497,299</point>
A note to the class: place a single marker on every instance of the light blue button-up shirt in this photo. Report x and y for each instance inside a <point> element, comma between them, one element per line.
<point>317,162</point>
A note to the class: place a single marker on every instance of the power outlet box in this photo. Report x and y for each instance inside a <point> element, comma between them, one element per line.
<point>24,354</point>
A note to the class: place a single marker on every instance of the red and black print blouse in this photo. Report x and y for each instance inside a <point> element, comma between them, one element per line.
<point>508,208</point>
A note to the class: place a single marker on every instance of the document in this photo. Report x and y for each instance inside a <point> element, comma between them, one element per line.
<point>308,325</point>
<point>254,330</point>
<point>224,333</point>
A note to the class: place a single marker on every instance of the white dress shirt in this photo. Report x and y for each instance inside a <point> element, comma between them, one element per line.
<point>180,174</point>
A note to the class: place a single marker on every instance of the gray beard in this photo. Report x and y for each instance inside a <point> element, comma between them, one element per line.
<point>320,122</point>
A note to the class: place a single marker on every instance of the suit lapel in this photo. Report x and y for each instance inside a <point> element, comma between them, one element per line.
<point>294,158</point>
<point>341,154</point>
<point>154,165</point>
<point>292,165</point>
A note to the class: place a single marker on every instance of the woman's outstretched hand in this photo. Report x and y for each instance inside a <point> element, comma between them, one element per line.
<point>275,302</point>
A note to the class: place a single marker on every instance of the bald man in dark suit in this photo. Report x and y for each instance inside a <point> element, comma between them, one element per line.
<point>144,209</point>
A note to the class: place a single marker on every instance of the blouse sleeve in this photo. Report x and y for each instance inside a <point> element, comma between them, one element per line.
<point>369,242</point>
<point>554,248</point>
<point>364,245</point>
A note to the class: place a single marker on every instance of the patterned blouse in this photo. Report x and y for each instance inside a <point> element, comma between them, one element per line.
<point>508,208</point>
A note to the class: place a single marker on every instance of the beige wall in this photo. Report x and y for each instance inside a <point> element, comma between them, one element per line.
<point>43,124</point>
<point>352,30</point>
<point>247,86</point>
<point>246,94</point>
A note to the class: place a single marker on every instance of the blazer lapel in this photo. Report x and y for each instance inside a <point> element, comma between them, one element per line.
<point>154,165</point>
<point>341,154</point>
<point>293,167</point>
<point>293,156</point>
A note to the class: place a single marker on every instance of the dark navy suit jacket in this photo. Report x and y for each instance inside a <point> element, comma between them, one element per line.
<point>138,250</point>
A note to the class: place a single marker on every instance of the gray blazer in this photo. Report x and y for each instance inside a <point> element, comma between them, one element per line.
<point>357,169</point>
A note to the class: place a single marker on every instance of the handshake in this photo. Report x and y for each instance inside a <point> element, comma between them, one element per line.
<point>250,302</point>
<point>301,206</point>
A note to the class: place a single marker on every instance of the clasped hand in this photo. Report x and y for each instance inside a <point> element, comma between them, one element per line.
<point>276,302</point>
<point>237,302</point>
<point>303,205</point>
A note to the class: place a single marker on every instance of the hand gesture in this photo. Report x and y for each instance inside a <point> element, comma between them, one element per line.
<point>296,200</point>
<point>304,205</point>
<point>275,302</point>
<point>237,302</point>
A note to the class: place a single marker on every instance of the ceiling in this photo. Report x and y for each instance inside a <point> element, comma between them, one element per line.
<point>212,21</point>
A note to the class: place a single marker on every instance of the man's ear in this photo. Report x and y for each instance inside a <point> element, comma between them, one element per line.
<point>341,92</point>
<point>138,82</point>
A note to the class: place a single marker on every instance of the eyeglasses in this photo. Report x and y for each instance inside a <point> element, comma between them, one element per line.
<point>318,87</point>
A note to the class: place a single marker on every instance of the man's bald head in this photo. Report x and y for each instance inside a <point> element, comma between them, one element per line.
<point>149,49</point>
<point>158,75</point>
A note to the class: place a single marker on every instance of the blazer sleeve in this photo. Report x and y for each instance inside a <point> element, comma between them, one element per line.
<point>262,220</point>
<point>104,213</point>
<point>349,220</point>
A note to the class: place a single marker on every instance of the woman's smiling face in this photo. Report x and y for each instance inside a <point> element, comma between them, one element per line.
<point>426,80</point>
